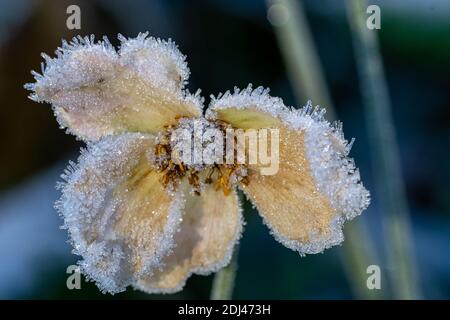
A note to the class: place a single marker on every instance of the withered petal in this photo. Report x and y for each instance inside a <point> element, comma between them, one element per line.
<point>212,225</point>
<point>120,219</point>
<point>317,187</point>
<point>96,91</point>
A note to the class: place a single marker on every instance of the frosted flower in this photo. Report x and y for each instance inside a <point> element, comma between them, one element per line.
<point>138,218</point>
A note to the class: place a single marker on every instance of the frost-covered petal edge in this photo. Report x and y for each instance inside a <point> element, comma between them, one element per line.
<point>85,189</point>
<point>327,150</point>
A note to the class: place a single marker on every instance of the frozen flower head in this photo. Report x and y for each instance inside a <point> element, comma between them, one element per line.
<point>139,216</point>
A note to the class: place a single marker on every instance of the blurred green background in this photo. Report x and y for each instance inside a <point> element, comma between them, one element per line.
<point>232,43</point>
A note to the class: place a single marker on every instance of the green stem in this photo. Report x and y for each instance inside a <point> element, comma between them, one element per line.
<point>385,154</point>
<point>358,254</point>
<point>306,75</point>
<point>223,283</point>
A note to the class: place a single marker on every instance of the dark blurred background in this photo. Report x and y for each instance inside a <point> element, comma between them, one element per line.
<point>231,43</point>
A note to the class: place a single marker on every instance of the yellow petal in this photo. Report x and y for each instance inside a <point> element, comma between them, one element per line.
<point>211,226</point>
<point>120,218</point>
<point>299,216</point>
<point>96,91</point>
<point>247,109</point>
<point>316,188</point>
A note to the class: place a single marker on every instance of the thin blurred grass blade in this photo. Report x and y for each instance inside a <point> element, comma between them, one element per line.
<point>299,53</point>
<point>223,283</point>
<point>385,154</point>
<point>307,79</point>
<point>359,253</point>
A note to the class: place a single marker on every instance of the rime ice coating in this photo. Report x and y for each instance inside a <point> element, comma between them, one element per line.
<point>96,91</point>
<point>127,227</point>
<point>217,227</point>
<point>90,212</point>
<point>327,151</point>
<point>157,61</point>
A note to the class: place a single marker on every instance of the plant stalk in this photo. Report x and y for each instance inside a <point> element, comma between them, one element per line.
<point>223,283</point>
<point>307,79</point>
<point>385,154</point>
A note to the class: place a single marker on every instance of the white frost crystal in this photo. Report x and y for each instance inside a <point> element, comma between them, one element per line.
<point>335,173</point>
<point>159,62</point>
<point>96,91</point>
<point>326,148</point>
<point>138,217</point>
<point>90,209</point>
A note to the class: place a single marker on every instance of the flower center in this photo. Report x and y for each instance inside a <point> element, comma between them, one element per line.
<point>202,151</point>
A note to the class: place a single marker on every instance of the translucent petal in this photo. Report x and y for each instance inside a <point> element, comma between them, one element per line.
<point>317,186</point>
<point>96,91</point>
<point>299,216</point>
<point>119,217</point>
<point>212,225</point>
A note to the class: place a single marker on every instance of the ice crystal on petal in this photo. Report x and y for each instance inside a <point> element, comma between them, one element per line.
<point>258,98</point>
<point>204,243</point>
<point>81,62</point>
<point>317,243</point>
<point>157,61</point>
<point>89,210</point>
<point>327,151</point>
<point>96,91</point>
<point>335,173</point>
